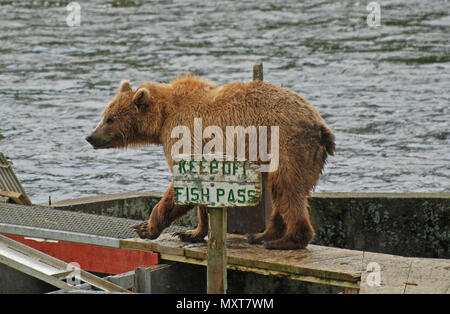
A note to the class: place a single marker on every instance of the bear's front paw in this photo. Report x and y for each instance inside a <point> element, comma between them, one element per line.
<point>189,236</point>
<point>144,231</point>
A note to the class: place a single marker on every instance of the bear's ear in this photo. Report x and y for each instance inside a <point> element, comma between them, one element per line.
<point>141,98</point>
<point>124,86</point>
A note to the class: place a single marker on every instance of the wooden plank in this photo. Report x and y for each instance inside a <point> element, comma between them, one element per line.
<point>400,275</point>
<point>327,263</point>
<point>304,278</point>
<point>196,252</point>
<point>9,181</point>
<point>138,244</point>
<point>164,247</point>
<point>339,267</point>
<point>428,276</point>
<point>184,259</point>
<point>392,271</point>
<point>16,197</point>
<point>170,250</point>
<point>258,71</point>
<point>217,251</point>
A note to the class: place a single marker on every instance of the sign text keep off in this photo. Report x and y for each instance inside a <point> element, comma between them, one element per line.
<point>216,183</point>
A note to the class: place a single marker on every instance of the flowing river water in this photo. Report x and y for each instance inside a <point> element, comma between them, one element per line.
<point>383,90</point>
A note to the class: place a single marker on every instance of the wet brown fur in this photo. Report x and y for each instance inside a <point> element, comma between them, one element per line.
<point>148,115</point>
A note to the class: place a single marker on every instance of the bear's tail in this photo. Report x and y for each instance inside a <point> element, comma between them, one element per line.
<point>327,140</point>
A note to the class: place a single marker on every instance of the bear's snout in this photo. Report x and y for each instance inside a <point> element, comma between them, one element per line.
<point>90,139</point>
<point>95,142</point>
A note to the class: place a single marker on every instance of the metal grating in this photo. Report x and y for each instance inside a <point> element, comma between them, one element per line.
<point>47,218</point>
<point>54,219</point>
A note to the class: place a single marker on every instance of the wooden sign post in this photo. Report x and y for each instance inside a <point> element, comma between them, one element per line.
<point>216,182</point>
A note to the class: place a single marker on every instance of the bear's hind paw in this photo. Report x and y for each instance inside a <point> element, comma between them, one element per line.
<point>255,238</point>
<point>283,244</point>
<point>189,236</point>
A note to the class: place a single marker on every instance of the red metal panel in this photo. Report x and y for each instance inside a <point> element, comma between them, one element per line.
<point>92,257</point>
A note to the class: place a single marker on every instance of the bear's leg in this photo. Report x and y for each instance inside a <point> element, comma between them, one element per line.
<point>275,229</point>
<point>299,231</point>
<point>275,226</point>
<point>198,234</point>
<point>289,199</point>
<point>163,214</point>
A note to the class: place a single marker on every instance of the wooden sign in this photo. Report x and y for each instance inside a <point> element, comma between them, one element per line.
<point>217,182</point>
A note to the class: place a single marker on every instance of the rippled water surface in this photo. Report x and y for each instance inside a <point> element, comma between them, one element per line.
<point>384,91</point>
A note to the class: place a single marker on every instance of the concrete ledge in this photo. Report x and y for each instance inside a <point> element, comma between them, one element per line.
<point>130,205</point>
<point>410,224</point>
<point>106,198</point>
<point>381,195</point>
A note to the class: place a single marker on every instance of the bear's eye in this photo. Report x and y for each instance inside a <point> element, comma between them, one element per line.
<point>110,121</point>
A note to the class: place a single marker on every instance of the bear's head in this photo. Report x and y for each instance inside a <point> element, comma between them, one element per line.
<point>131,118</point>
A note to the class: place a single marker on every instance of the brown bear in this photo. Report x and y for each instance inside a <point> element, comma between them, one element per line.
<point>149,114</point>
